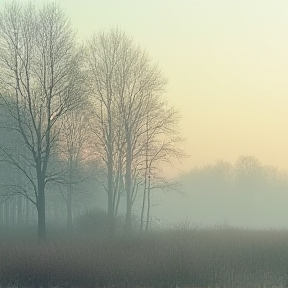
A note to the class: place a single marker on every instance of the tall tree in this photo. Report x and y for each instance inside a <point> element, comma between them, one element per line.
<point>125,85</point>
<point>106,125</point>
<point>40,81</point>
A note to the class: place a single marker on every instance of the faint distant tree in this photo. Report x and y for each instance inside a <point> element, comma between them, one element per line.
<point>249,186</point>
<point>73,149</point>
<point>248,170</point>
<point>40,81</point>
<point>275,177</point>
<point>125,84</point>
<point>12,181</point>
<point>224,170</point>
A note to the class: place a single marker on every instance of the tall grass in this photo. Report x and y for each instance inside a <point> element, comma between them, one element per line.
<point>197,258</point>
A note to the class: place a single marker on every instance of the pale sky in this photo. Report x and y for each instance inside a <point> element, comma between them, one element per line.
<point>227,63</point>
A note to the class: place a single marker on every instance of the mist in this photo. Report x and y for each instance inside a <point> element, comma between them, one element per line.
<point>111,123</point>
<point>245,194</point>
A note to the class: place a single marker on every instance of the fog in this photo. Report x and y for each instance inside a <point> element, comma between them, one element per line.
<point>245,194</point>
<point>226,64</point>
<point>143,144</point>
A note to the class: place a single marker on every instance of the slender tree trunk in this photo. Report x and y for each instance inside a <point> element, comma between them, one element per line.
<point>118,199</point>
<point>6,213</point>
<point>148,205</point>
<point>20,211</point>
<point>128,185</point>
<point>33,216</point>
<point>120,184</point>
<point>110,208</point>
<point>12,211</point>
<point>41,210</point>
<point>143,203</point>
<point>145,176</point>
<point>27,212</point>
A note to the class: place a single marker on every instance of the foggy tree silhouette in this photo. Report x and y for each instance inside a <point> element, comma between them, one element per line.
<point>125,86</point>
<point>40,81</point>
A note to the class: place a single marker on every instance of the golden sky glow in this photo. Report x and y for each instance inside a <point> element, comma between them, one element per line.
<point>227,62</point>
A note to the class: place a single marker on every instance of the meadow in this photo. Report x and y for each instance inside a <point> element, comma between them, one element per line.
<point>218,257</point>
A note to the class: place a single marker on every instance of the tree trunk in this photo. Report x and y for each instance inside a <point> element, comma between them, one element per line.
<point>69,210</point>
<point>27,212</point>
<point>110,210</point>
<point>128,184</point>
<point>41,211</point>
<point>143,203</point>
<point>12,211</point>
<point>149,204</point>
<point>6,213</point>
<point>20,211</point>
<point>146,173</point>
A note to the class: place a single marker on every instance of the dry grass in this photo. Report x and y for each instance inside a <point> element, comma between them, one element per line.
<point>202,258</point>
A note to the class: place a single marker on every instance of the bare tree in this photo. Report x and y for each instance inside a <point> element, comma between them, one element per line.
<point>127,90</point>
<point>40,81</point>
<point>106,125</point>
<point>73,150</point>
<point>160,145</point>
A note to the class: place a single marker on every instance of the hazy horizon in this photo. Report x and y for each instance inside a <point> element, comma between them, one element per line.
<point>227,66</point>
<point>91,190</point>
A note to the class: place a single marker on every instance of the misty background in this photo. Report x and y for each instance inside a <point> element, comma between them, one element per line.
<point>143,143</point>
<point>226,62</point>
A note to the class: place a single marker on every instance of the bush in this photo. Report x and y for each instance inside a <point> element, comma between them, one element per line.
<point>95,223</point>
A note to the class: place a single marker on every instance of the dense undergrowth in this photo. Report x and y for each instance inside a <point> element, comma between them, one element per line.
<point>198,258</point>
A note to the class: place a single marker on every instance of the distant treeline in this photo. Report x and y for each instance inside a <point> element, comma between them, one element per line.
<point>246,193</point>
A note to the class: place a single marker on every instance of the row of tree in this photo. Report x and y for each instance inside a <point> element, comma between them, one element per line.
<point>245,193</point>
<point>246,172</point>
<point>65,106</point>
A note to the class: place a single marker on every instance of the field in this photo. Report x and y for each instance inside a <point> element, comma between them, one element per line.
<point>182,257</point>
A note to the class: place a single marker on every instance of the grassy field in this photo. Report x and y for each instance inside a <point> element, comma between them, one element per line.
<point>194,258</point>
